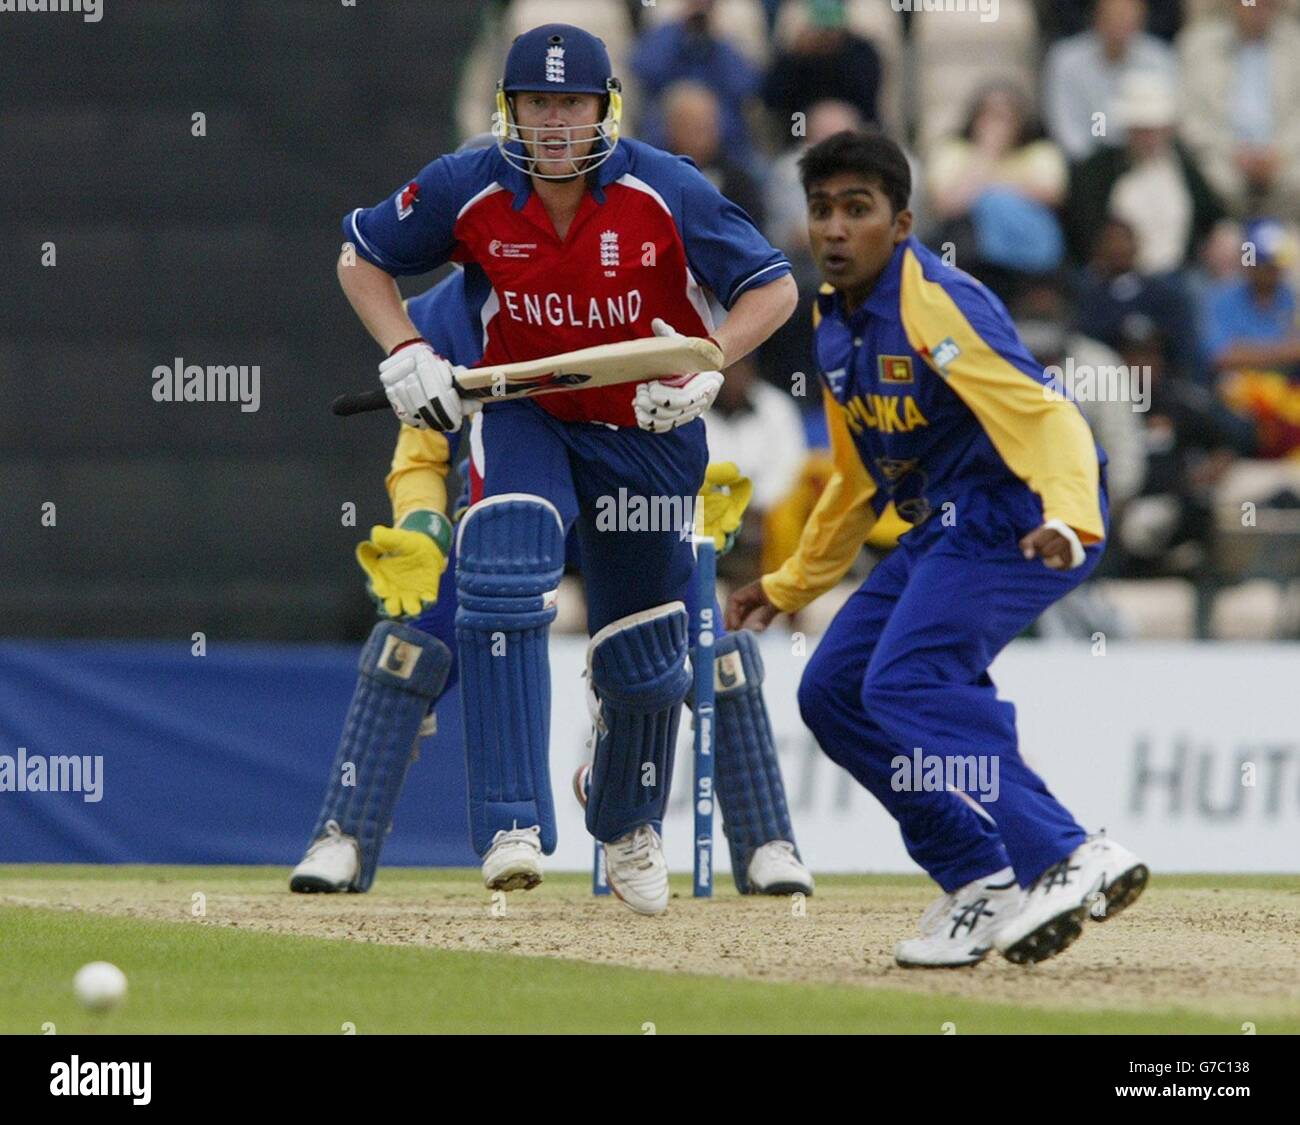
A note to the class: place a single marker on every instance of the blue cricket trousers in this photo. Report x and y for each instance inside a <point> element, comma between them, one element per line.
<point>905,664</point>
<point>591,472</point>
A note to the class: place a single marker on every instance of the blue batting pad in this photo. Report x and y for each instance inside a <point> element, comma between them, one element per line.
<point>746,772</point>
<point>401,673</point>
<point>510,559</point>
<point>637,668</point>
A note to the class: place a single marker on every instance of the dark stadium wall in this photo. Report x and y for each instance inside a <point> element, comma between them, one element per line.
<point>219,249</point>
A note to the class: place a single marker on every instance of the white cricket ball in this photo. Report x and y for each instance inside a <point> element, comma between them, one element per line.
<point>100,986</point>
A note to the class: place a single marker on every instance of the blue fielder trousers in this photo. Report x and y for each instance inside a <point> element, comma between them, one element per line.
<point>904,665</point>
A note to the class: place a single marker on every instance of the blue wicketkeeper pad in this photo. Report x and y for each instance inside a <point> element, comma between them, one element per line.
<point>401,673</point>
<point>510,559</point>
<point>746,772</point>
<point>637,668</point>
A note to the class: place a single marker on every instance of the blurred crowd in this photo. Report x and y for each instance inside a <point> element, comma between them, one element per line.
<point>1124,174</point>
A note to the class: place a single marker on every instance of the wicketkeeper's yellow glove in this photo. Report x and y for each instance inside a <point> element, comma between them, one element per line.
<point>404,564</point>
<point>725,497</point>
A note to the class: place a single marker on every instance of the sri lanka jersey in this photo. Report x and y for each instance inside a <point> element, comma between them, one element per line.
<point>936,405</point>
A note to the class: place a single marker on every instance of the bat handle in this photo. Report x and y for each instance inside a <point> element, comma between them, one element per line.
<point>361,403</point>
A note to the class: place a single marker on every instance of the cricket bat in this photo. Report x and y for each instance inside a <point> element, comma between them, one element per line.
<point>605,365</point>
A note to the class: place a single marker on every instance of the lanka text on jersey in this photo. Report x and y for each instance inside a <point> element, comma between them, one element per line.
<point>650,235</point>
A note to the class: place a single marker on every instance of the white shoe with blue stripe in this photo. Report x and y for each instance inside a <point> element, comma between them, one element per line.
<point>1098,879</point>
<point>959,928</point>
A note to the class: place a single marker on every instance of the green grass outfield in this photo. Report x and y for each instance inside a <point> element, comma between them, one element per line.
<point>201,978</point>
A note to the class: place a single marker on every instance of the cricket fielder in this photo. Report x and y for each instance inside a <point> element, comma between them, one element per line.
<point>583,239</point>
<point>411,574</point>
<point>934,402</point>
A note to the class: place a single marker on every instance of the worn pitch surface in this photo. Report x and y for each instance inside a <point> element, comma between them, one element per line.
<point>1221,946</point>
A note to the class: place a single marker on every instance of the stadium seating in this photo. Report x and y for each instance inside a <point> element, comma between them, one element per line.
<point>1255,610</point>
<point>1156,609</point>
<point>1256,548</point>
<point>956,54</point>
<point>608,19</point>
<point>218,249</point>
<point>1197,10</point>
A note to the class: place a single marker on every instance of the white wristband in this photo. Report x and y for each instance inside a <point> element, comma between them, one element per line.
<point>1077,555</point>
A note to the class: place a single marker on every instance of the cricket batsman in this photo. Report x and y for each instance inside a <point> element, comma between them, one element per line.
<point>934,402</point>
<point>582,239</point>
<point>410,571</point>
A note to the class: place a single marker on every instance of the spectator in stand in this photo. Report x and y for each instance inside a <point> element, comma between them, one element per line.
<point>693,121</point>
<point>692,50</point>
<point>826,61</point>
<point>1241,90</point>
<point>1082,75</point>
<point>1057,20</point>
<point>1218,260</point>
<point>1111,289</point>
<point>760,429</point>
<point>1166,528</point>
<point>1152,183</point>
<point>995,190</point>
<point>789,348</point>
<point>1253,340</point>
<point>1041,316</point>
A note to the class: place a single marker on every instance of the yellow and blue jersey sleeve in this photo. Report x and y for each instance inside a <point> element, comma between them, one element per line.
<point>417,478</point>
<point>1040,435</point>
<point>835,531</point>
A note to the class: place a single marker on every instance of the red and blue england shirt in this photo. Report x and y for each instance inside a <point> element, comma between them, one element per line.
<point>650,237</point>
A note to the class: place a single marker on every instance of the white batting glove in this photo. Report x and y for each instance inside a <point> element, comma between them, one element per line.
<point>421,388</point>
<point>661,406</point>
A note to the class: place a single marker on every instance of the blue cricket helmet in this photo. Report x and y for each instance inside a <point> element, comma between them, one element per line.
<point>557,56</point>
<point>548,59</point>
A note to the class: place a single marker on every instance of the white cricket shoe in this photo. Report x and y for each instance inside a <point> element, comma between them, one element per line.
<point>958,928</point>
<point>774,869</point>
<point>514,861</point>
<point>330,865</point>
<point>1099,877</point>
<point>637,870</point>
<point>1124,877</point>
